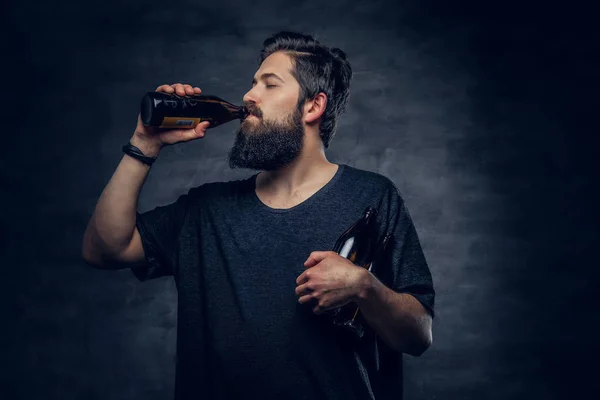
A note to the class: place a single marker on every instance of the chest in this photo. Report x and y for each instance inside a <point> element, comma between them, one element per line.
<point>284,202</point>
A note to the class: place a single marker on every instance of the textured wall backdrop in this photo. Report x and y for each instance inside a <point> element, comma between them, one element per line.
<point>481,115</point>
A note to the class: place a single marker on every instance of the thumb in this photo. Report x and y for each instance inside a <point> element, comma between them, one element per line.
<point>187,135</point>
<point>200,129</point>
<point>316,257</point>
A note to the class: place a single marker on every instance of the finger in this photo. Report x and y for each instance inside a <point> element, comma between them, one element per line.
<point>174,86</point>
<point>316,257</point>
<point>305,299</point>
<point>303,290</point>
<point>303,278</point>
<point>179,89</point>
<point>201,128</point>
<point>188,89</point>
<point>197,90</point>
<point>322,306</point>
<point>165,89</point>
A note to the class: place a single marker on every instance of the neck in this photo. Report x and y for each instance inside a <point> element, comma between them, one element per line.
<point>309,169</point>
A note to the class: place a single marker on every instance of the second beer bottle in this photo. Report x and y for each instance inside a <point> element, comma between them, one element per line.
<point>347,317</point>
<point>357,244</point>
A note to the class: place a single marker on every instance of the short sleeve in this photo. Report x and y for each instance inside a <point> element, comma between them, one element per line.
<point>409,272</point>
<point>159,230</point>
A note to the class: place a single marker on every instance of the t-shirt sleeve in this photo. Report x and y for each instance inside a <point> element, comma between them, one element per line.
<point>409,271</point>
<point>159,230</point>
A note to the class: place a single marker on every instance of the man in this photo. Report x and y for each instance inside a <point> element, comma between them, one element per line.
<point>251,257</point>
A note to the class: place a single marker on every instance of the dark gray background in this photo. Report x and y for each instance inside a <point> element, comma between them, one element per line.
<point>482,114</point>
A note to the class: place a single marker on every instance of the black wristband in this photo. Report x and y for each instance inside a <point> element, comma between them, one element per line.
<point>136,153</point>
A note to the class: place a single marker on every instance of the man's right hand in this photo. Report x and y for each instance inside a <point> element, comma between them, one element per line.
<point>151,139</point>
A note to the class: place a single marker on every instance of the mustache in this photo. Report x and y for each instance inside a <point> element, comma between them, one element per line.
<point>252,109</point>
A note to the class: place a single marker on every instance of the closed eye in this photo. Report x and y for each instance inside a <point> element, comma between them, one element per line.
<point>267,86</point>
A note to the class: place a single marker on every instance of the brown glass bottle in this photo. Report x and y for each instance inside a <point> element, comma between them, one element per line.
<point>380,253</point>
<point>357,244</point>
<point>165,110</point>
<point>347,316</point>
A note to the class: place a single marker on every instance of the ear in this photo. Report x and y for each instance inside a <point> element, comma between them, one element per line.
<point>315,107</point>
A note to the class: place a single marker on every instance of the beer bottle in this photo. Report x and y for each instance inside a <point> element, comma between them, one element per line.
<point>380,253</point>
<point>165,110</point>
<point>357,245</point>
<point>348,313</point>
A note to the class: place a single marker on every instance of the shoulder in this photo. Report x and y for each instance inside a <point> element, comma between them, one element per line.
<point>370,181</point>
<point>374,189</point>
<point>219,189</point>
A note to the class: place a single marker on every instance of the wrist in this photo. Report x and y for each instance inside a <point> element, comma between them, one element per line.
<point>366,286</point>
<point>150,149</point>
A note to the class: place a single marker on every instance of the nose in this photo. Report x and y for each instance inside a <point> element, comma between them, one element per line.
<point>249,97</point>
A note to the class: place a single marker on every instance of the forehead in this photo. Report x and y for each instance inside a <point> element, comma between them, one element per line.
<point>279,63</point>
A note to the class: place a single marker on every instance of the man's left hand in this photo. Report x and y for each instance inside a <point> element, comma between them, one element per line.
<point>331,281</point>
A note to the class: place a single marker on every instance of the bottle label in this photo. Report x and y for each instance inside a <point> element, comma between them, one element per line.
<point>177,122</point>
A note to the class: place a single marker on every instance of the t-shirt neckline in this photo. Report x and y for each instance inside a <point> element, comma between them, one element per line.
<point>322,191</point>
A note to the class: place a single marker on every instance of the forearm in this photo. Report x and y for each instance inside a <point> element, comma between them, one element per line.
<point>112,224</point>
<point>398,318</point>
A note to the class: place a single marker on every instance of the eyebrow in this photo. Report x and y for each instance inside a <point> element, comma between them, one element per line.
<point>267,75</point>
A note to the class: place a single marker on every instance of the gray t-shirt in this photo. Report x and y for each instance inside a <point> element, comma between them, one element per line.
<point>241,331</point>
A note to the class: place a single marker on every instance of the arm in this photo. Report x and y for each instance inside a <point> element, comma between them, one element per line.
<point>398,318</point>
<point>393,311</point>
<point>332,281</point>
<point>111,237</point>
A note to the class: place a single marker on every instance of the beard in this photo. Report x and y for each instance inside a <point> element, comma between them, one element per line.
<point>267,145</point>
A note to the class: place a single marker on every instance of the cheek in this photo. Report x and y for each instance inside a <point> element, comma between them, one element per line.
<point>283,113</point>
<point>285,103</point>
<point>272,113</point>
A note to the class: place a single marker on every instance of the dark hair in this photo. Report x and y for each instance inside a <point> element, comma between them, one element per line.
<point>317,68</point>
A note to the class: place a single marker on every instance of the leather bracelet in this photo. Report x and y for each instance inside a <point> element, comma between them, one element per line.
<point>136,153</point>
